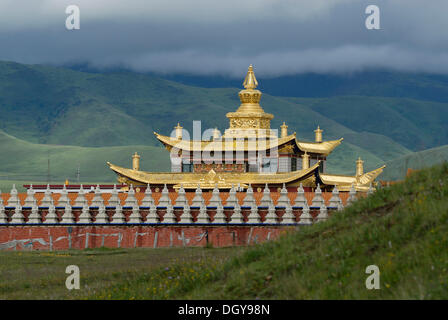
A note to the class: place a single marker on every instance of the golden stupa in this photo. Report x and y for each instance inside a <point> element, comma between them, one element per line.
<point>248,153</point>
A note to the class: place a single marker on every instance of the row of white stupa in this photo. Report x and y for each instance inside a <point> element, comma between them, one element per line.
<point>95,212</point>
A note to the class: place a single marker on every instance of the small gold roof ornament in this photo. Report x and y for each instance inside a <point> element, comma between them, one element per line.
<point>136,161</point>
<point>359,167</point>
<point>178,131</point>
<point>318,132</point>
<point>250,82</point>
<point>284,130</point>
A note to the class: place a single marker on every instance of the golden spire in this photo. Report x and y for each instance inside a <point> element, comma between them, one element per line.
<point>250,82</point>
<point>250,115</point>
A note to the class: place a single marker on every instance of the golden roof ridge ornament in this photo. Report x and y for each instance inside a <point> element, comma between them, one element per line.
<point>250,82</point>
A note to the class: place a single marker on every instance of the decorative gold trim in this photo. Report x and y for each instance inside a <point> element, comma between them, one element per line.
<point>209,179</point>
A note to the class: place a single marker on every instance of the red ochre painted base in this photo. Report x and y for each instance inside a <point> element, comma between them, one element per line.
<point>81,237</point>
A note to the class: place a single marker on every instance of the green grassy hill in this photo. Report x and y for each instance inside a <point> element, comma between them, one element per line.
<point>402,229</point>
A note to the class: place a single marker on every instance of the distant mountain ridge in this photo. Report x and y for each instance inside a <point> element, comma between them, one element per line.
<point>396,169</point>
<point>384,83</point>
<point>420,86</point>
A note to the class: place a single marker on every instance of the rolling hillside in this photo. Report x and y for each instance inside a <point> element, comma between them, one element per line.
<point>24,162</point>
<point>381,83</point>
<point>44,104</point>
<point>415,124</point>
<point>396,169</point>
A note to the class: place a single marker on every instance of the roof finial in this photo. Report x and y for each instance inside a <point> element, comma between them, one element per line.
<point>250,82</point>
<point>284,130</point>
<point>318,132</point>
<point>136,161</point>
<point>178,129</point>
<point>359,167</point>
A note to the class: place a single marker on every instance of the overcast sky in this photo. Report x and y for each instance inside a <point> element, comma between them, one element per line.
<point>224,37</point>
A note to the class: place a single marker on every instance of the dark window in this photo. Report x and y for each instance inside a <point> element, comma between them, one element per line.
<point>293,164</point>
<point>187,167</point>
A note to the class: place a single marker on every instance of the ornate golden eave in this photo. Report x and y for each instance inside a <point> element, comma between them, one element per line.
<point>208,180</point>
<point>344,183</point>
<point>223,145</point>
<point>323,148</point>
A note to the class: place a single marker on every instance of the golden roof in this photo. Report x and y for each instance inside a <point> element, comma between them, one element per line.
<point>324,148</point>
<point>210,179</point>
<point>225,180</point>
<point>223,144</point>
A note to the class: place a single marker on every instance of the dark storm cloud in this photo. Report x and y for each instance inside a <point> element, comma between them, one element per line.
<point>199,36</point>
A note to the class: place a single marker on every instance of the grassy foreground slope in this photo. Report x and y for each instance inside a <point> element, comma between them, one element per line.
<point>402,229</point>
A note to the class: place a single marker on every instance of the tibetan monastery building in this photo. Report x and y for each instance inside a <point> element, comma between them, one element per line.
<point>248,153</point>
